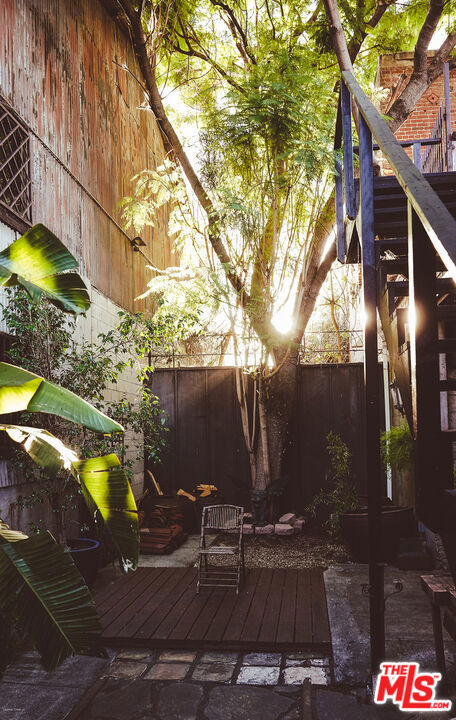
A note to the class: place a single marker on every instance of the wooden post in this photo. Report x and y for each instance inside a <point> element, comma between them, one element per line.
<point>339,189</point>
<point>341,249</point>
<point>348,151</point>
<point>417,155</point>
<point>424,370</point>
<point>372,399</point>
<point>447,126</point>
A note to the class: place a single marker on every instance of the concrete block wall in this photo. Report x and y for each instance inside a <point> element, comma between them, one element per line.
<point>101,318</point>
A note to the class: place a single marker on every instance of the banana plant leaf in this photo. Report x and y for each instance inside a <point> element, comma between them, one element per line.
<point>42,590</point>
<point>23,390</point>
<point>103,483</point>
<point>108,496</point>
<point>10,535</point>
<point>36,261</point>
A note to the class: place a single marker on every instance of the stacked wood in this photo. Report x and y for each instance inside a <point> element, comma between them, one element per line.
<point>161,529</point>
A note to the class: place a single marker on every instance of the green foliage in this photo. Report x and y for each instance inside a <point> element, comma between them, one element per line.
<point>255,85</point>
<point>397,447</point>
<point>39,262</point>
<point>341,496</point>
<point>42,591</point>
<point>44,343</point>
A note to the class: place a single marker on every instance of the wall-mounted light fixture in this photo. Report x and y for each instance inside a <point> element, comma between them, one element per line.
<point>397,400</point>
<point>136,243</point>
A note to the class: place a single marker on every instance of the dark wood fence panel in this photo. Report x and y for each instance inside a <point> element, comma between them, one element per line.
<point>205,441</point>
<point>330,398</point>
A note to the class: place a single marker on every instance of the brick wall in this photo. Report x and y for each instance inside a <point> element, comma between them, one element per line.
<point>394,71</point>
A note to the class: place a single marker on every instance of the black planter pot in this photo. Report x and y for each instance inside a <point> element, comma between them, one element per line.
<point>397,522</point>
<point>85,553</point>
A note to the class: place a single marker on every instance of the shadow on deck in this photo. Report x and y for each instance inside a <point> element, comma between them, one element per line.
<point>276,610</point>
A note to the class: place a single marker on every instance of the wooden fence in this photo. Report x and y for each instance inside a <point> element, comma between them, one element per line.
<point>205,442</point>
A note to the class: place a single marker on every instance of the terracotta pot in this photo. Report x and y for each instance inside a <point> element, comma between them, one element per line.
<point>85,553</point>
<point>397,522</point>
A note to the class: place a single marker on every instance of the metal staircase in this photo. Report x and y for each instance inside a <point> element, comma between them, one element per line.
<point>402,229</point>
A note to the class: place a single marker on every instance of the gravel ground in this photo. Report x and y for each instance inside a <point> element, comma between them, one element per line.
<point>311,549</point>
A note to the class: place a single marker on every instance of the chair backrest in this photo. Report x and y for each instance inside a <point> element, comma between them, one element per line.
<point>222,517</point>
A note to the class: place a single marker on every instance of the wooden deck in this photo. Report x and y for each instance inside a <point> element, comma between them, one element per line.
<point>158,607</point>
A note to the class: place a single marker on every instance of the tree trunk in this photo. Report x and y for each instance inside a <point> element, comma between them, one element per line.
<point>277,406</point>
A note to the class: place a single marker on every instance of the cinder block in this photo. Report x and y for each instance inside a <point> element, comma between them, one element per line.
<point>299,525</point>
<point>284,529</point>
<point>247,530</point>
<point>288,518</point>
<point>265,530</point>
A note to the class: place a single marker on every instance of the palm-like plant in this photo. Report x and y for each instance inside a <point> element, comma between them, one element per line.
<point>39,584</point>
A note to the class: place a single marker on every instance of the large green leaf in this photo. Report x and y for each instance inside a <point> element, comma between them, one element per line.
<point>10,535</point>
<point>42,589</point>
<point>44,448</point>
<point>35,261</point>
<point>103,482</point>
<point>108,495</point>
<point>23,390</point>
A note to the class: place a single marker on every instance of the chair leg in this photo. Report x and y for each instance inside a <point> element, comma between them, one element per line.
<point>198,575</point>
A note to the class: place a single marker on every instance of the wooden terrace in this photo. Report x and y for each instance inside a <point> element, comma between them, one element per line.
<point>276,610</point>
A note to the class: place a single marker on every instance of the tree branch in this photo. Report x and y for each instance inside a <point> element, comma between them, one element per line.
<point>172,141</point>
<point>234,21</point>
<point>354,46</point>
<point>191,52</point>
<point>307,294</point>
<point>423,74</point>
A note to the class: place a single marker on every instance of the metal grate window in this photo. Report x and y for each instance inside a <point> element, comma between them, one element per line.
<point>15,183</point>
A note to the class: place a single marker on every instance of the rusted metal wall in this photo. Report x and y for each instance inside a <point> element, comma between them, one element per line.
<point>58,71</point>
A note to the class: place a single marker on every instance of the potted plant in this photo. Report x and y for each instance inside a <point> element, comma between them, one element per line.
<point>349,517</point>
<point>341,495</point>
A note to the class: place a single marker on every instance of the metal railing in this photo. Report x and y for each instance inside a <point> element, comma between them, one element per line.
<point>431,229</point>
<point>439,157</point>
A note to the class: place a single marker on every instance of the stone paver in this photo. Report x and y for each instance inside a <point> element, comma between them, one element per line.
<point>122,700</point>
<point>134,654</point>
<point>297,675</point>
<point>320,662</point>
<point>258,675</point>
<point>177,656</point>
<point>224,657</point>
<point>242,703</point>
<point>262,659</point>
<point>213,672</point>
<point>179,701</point>
<point>125,669</point>
<point>141,684</point>
<point>298,663</point>
<point>303,655</point>
<point>167,671</point>
<point>329,705</point>
<point>18,702</point>
<point>315,662</point>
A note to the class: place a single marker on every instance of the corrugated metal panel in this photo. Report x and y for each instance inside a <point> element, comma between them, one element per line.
<point>58,72</point>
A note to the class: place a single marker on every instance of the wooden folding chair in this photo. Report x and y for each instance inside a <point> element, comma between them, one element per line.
<point>221,518</point>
